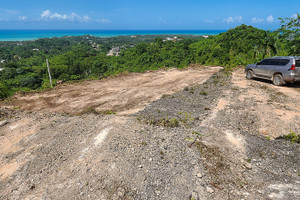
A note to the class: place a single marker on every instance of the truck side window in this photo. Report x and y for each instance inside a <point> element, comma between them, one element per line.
<point>284,62</point>
<point>264,62</point>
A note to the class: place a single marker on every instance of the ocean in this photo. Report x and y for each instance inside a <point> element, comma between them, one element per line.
<point>22,35</point>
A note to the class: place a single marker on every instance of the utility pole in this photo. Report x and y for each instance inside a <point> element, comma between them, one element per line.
<point>49,72</point>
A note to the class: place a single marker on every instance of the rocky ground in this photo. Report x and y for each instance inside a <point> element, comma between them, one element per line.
<point>211,140</point>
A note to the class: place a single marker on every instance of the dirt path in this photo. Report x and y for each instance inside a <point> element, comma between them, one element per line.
<point>126,94</point>
<point>212,139</point>
<point>276,107</point>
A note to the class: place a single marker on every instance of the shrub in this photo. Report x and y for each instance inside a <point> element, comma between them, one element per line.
<point>4,91</point>
<point>292,137</point>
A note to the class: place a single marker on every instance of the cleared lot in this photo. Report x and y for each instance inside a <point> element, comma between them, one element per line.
<point>125,94</point>
<point>214,140</point>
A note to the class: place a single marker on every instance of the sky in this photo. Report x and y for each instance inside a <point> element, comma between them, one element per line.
<point>144,15</point>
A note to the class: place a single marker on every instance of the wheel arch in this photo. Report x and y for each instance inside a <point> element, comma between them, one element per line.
<point>275,73</point>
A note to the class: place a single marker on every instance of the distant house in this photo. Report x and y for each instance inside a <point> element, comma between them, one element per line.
<point>95,45</point>
<point>175,38</point>
<point>114,51</point>
<point>35,49</point>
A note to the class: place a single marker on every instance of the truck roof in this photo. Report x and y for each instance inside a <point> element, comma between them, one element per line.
<point>285,57</point>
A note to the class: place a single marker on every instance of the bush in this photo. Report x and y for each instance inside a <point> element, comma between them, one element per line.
<point>30,80</point>
<point>75,77</point>
<point>64,77</point>
<point>292,137</point>
<point>4,91</point>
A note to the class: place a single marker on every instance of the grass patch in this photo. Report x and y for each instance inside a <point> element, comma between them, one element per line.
<point>203,92</point>
<point>292,137</point>
<point>108,112</point>
<point>167,96</point>
<point>182,118</point>
<point>167,122</point>
<point>92,110</point>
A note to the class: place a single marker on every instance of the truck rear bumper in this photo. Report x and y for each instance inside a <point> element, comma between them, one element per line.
<point>291,78</point>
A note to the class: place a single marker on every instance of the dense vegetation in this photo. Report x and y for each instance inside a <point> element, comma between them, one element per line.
<point>74,58</point>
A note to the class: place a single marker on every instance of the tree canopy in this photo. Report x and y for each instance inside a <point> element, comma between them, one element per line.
<point>290,28</point>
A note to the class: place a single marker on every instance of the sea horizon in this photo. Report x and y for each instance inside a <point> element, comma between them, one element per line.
<point>33,34</point>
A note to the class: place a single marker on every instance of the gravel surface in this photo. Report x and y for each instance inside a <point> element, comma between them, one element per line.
<point>214,140</point>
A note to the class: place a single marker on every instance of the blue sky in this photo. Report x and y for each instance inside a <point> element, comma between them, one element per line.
<point>147,15</point>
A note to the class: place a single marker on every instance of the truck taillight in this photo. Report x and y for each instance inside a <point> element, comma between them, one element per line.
<point>293,67</point>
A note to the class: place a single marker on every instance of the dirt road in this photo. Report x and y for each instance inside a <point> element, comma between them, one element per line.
<point>194,134</point>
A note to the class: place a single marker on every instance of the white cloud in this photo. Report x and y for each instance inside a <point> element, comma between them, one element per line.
<point>255,20</point>
<point>104,21</point>
<point>75,17</point>
<point>229,20</point>
<point>48,15</point>
<point>58,16</point>
<point>270,19</point>
<point>233,19</point>
<point>22,18</point>
<point>86,18</point>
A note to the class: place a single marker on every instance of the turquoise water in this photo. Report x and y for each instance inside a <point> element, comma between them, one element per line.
<point>21,35</point>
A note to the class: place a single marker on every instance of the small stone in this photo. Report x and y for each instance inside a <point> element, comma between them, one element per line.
<point>209,190</point>
<point>194,195</point>
<point>248,165</point>
<point>3,123</point>
<point>121,192</point>
<point>199,175</point>
<point>140,166</point>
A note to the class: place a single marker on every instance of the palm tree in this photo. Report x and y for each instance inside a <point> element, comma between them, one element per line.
<point>268,45</point>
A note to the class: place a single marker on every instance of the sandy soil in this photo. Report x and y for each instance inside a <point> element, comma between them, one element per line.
<point>276,107</point>
<point>125,94</point>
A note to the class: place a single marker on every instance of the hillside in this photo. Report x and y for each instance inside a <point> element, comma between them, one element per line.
<point>86,58</point>
<point>200,134</point>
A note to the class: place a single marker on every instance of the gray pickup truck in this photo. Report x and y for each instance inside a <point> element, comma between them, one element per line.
<point>277,69</point>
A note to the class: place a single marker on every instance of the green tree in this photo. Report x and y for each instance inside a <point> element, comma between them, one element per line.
<point>290,28</point>
<point>268,45</point>
<point>4,90</point>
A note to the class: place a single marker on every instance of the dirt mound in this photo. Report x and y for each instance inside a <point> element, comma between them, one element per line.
<point>125,94</point>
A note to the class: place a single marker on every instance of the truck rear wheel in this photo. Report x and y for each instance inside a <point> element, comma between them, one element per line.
<point>278,80</point>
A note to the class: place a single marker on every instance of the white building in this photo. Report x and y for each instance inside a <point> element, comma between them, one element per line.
<point>114,51</point>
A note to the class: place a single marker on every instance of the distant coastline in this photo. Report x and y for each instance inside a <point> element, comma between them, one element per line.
<point>24,35</point>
